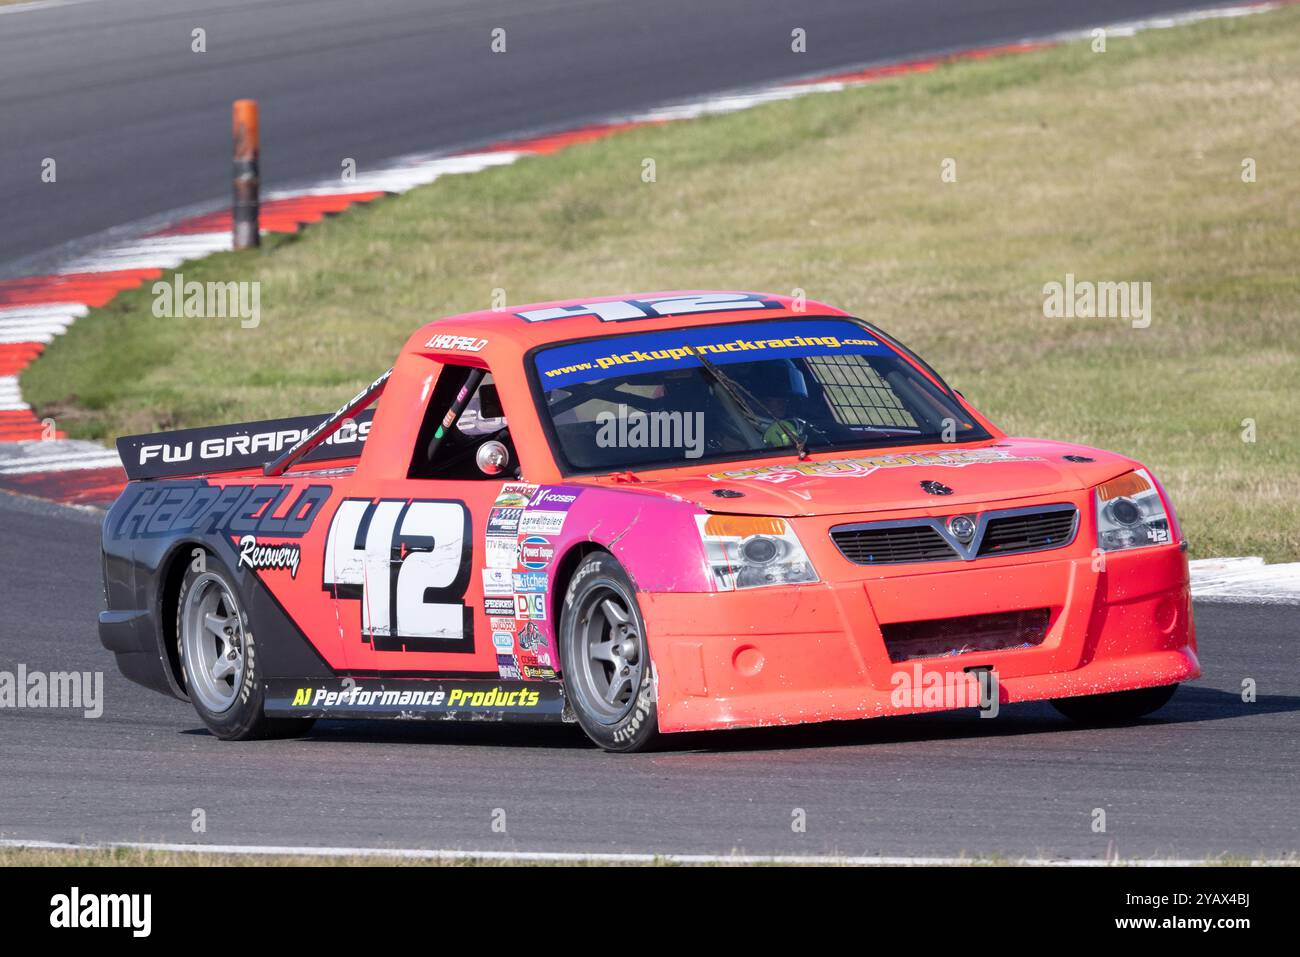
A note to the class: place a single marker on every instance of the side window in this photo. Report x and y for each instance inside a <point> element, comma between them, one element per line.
<point>483,414</point>
<point>464,427</point>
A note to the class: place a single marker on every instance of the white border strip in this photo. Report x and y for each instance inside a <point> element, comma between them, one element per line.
<point>580,857</point>
<point>27,457</point>
<point>11,400</point>
<point>1128,28</point>
<point>1245,580</point>
<point>42,5</point>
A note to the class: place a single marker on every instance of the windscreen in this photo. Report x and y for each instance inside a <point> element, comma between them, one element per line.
<point>737,391</point>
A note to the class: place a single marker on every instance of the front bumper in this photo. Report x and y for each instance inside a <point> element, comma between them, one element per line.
<point>808,653</point>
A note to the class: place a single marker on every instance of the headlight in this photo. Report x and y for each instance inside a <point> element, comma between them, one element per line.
<point>1130,513</point>
<point>748,552</point>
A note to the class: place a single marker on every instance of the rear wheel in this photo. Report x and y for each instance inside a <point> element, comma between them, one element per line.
<point>1115,707</point>
<point>218,658</point>
<point>605,658</point>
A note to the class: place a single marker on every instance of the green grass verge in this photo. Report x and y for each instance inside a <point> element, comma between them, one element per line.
<point>1124,165</point>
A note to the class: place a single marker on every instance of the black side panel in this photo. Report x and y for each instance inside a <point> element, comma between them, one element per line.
<point>151,526</point>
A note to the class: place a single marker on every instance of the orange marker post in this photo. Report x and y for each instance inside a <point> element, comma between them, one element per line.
<point>247,178</point>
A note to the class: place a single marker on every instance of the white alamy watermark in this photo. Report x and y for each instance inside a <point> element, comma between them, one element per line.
<point>1085,299</point>
<point>945,690</point>
<point>77,690</point>
<point>179,299</point>
<point>651,430</point>
<point>73,910</point>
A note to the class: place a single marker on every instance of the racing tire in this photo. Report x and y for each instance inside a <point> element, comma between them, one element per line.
<point>218,658</point>
<point>1116,707</point>
<point>605,658</point>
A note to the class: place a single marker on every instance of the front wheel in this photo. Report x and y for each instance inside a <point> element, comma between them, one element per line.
<point>605,657</point>
<point>219,659</point>
<point>1115,707</point>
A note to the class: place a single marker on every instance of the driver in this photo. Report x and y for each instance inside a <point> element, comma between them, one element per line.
<point>780,389</point>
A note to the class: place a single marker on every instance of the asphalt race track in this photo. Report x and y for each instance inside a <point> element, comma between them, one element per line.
<point>1209,775</point>
<point>140,125</point>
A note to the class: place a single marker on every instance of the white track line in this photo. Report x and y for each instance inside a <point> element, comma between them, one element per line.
<point>580,857</point>
<point>405,173</point>
<point>42,336</point>
<point>72,463</point>
<point>1128,28</point>
<point>44,310</point>
<point>154,252</point>
<point>54,455</point>
<point>38,323</point>
<point>1246,579</point>
<point>43,5</point>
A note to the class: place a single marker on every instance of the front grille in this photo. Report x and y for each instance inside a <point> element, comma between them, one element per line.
<point>892,545</point>
<point>1002,532</point>
<point>1028,532</point>
<point>944,637</point>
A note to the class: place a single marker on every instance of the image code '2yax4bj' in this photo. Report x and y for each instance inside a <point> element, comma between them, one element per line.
<point>682,511</point>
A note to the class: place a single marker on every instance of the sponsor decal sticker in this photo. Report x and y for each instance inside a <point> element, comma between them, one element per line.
<point>865,465</point>
<point>530,581</point>
<point>534,654</point>
<point>233,446</point>
<point>530,607</point>
<point>269,556</point>
<point>556,498</point>
<point>542,523</point>
<point>440,697</point>
<point>497,581</point>
<point>532,641</point>
<point>450,343</point>
<point>499,607</point>
<point>234,510</point>
<point>501,552</point>
<point>515,495</point>
<point>504,642</point>
<point>535,552</point>
<point>503,521</point>
<point>591,360</point>
<point>504,624</point>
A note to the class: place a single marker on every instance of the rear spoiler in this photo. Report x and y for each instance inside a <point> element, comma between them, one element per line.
<point>230,448</point>
<point>233,448</point>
